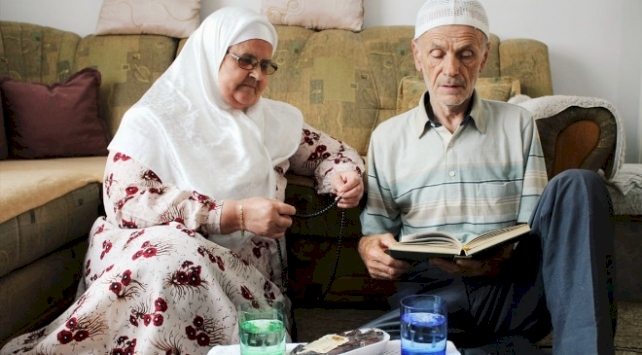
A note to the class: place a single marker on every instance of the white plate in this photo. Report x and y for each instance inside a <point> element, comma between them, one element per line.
<point>234,349</point>
<point>372,349</point>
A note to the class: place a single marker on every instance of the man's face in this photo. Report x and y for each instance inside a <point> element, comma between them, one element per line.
<point>450,59</point>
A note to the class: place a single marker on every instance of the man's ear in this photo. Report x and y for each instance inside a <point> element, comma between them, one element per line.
<point>486,54</point>
<point>416,55</point>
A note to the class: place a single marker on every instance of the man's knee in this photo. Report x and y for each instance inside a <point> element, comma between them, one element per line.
<point>577,181</point>
<point>577,175</point>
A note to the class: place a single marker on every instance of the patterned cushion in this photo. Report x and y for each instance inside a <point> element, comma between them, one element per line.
<point>343,82</point>
<point>344,14</point>
<point>129,64</point>
<point>498,88</point>
<point>527,59</point>
<point>32,53</point>
<point>174,18</point>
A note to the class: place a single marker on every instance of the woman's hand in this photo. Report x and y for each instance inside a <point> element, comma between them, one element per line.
<point>261,216</point>
<point>348,185</point>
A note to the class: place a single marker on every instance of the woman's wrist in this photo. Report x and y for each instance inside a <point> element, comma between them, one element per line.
<point>233,217</point>
<point>241,219</point>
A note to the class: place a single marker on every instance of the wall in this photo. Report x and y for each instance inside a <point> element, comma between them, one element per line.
<point>594,45</point>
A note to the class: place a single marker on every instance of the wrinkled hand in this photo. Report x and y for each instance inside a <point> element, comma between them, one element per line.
<point>267,217</point>
<point>474,267</point>
<point>348,185</point>
<point>381,265</point>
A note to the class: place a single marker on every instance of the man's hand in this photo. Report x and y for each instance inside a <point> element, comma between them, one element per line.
<point>475,267</point>
<point>381,265</point>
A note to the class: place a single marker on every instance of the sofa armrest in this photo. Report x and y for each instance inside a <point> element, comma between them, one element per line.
<point>578,132</point>
<point>578,137</point>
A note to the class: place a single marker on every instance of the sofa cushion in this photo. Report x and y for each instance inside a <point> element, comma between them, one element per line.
<point>345,83</point>
<point>59,120</point>
<point>33,53</point>
<point>173,18</point>
<point>129,66</point>
<point>34,295</point>
<point>27,184</point>
<point>626,190</point>
<point>497,88</point>
<point>344,14</point>
<point>30,235</point>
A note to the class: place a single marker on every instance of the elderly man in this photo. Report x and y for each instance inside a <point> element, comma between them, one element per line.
<point>459,163</point>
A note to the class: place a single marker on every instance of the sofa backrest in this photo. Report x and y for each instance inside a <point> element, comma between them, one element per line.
<point>33,53</point>
<point>347,82</point>
<point>128,64</point>
<point>344,82</point>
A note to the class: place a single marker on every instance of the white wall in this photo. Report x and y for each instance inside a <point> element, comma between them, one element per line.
<point>594,45</point>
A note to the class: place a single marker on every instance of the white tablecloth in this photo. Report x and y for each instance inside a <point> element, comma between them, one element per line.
<point>393,348</point>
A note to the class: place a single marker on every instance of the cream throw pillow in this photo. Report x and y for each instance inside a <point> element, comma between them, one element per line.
<point>173,18</point>
<point>343,14</point>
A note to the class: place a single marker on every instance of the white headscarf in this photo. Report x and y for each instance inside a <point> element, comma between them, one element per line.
<point>184,131</point>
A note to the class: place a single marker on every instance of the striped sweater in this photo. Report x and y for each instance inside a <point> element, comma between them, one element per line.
<point>488,174</point>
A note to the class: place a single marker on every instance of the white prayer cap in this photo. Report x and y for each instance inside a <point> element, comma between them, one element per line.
<point>435,13</point>
<point>257,30</point>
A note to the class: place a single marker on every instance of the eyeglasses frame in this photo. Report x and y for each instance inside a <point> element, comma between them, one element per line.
<point>265,64</point>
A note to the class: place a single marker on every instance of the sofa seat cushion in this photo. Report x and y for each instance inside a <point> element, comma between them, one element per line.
<point>34,295</point>
<point>45,204</point>
<point>626,190</point>
<point>26,184</point>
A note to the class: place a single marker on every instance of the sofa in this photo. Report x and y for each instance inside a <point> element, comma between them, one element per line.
<point>345,83</point>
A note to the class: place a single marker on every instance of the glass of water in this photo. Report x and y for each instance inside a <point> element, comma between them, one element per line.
<point>424,325</point>
<point>262,328</point>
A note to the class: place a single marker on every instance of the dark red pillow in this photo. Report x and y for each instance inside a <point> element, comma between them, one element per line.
<point>59,120</point>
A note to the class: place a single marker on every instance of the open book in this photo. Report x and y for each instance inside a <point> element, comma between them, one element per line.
<point>422,245</point>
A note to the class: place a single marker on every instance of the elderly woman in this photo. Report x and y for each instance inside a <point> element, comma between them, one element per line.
<point>193,191</point>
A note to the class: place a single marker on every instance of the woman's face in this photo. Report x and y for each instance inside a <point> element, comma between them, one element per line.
<point>242,88</point>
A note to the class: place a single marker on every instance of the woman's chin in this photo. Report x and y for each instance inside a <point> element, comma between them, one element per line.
<point>244,102</point>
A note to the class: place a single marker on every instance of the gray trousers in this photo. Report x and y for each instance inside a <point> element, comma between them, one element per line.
<point>559,278</point>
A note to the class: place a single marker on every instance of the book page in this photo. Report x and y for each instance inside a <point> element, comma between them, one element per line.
<point>495,237</point>
<point>430,237</point>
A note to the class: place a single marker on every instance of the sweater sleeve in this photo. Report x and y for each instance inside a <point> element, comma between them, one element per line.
<point>321,156</point>
<point>135,197</point>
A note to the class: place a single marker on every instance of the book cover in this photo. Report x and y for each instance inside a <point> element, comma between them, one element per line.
<point>422,245</point>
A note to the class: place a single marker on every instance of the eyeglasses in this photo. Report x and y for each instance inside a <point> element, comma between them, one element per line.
<point>248,63</point>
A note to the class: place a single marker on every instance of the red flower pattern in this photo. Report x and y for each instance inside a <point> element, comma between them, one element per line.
<point>119,257</point>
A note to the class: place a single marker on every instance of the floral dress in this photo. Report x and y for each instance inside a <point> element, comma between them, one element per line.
<point>154,283</point>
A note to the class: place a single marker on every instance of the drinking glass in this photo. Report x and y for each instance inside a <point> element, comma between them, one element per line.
<point>262,329</point>
<point>424,325</point>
